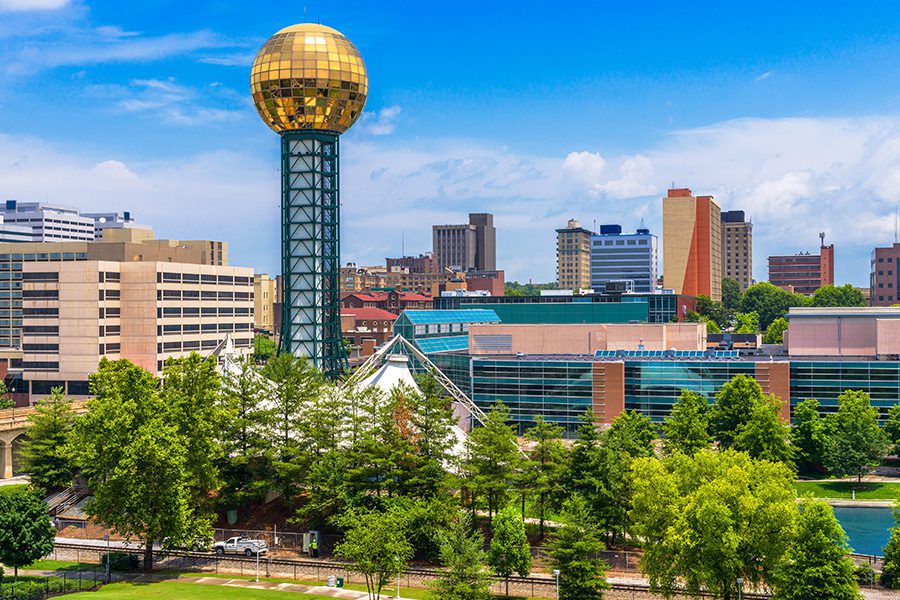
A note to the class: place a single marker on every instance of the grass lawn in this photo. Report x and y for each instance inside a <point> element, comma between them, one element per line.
<point>14,488</point>
<point>184,591</point>
<point>62,565</point>
<point>844,489</point>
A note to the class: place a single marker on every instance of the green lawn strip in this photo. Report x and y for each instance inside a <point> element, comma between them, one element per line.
<point>844,489</point>
<point>62,565</point>
<point>14,488</point>
<point>172,590</point>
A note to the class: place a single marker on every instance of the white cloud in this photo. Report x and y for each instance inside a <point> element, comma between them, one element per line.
<point>384,122</point>
<point>30,5</point>
<point>793,177</point>
<point>763,76</point>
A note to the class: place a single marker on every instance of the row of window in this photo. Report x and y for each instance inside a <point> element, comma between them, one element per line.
<point>195,278</point>
<point>204,295</point>
<point>190,345</point>
<point>197,327</point>
<point>206,311</point>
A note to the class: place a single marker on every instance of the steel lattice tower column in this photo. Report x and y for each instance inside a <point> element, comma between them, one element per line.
<point>310,241</point>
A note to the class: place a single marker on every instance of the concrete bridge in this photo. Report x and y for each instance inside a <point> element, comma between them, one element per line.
<point>13,423</point>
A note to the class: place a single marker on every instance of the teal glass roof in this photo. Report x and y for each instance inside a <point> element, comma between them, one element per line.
<point>475,315</point>
<point>443,344</point>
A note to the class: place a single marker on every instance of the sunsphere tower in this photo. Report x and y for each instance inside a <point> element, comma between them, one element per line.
<point>309,84</point>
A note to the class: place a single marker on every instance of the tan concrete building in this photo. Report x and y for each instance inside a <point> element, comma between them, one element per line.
<point>76,312</point>
<point>264,300</point>
<point>360,279</point>
<point>567,339</point>
<point>737,248</point>
<point>692,244</point>
<point>573,257</point>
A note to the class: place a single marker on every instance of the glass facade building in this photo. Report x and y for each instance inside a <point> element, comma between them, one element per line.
<point>826,380</point>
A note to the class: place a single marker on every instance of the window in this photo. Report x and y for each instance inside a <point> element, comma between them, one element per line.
<point>40,347</point>
<point>43,329</point>
<point>41,312</point>
<point>40,276</point>
<point>40,294</point>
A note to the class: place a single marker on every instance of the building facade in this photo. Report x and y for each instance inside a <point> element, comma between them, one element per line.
<point>803,273</point>
<point>49,222</point>
<point>465,247</point>
<point>737,248</point>
<point>365,328</point>
<point>113,220</point>
<point>884,276</point>
<point>77,312</point>
<point>423,263</point>
<point>692,244</point>
<point>264,301</point>
<point>624,257</point>
<point>573,257</point>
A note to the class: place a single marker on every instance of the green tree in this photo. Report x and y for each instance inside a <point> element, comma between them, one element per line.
<point>732,408</point>
<point>747,322</point>
<point>492,458</point>
<point>582,475</point>
<point>766,435</point>
<point>26,533</point>
<point>5,400</point>
<point>809,436</point>
<point>135,461</point>
<point>775,331</point>
<point>686,429</point>
<point>376,546</point>
<point>731,294</point>
<point>263,348</point>
<point>246,463</point>
<point>462,552</point>
<point>769,302</point>
<point>843,295</point>
<point>510,552</point>
<point>433,420</point>
<point>575,551</point>
<point>707,519</point>
<point>631,432</point>
<point>547,461</point>
<point>713,310</point>
<point>44,451</point>
<point>892,425</point>
<point>856,443</point>
<point>817,565</point>
<point>890,572</point>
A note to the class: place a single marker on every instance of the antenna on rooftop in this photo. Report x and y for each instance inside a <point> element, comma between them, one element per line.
<point>402,243</point>
<point>895,223</point>
<point>822,239</point>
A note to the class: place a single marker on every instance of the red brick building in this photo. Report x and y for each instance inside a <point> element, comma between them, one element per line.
<point>393,301</point>
<point>366,328</point>
<point>884,277</point>
<point>803,273</point>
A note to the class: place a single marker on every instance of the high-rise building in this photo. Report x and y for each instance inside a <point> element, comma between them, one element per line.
<point>485,241</point>
<point>466,247</point>
<point>804,273</point>
<point>49,222</point>
<point>884,276</point>
<point>624,257</point>
<point>16,256</point>
<point>309,85</point>
<point>112,220</point>
<point>737,248</point>
<point>264,302</point>
<point>573,257</point>
<point>145,311</point>
<point>692,244</point>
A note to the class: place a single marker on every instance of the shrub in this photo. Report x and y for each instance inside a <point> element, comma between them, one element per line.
<point>26,590</point>
<point>120,561</point>
<point>865,574</point>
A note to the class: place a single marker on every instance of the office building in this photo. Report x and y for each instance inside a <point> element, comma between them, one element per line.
<point>692,244</point>
<point>492,282</point>
<point>737,248</point>
<point>145,311</point>
<point>10,233</point>
<point>264,301</point>
<point>573,257</point>
<point>133,246</point>
<point>113,220</point>
<point>366,328</point>
<point>393,301</point>
<point>49,222</point>
<point>465,247</point>
<point>884,276</point>
<point>360,279</point>
<point>423,263</point>
<point>627,258</point>
<point>804,273</point>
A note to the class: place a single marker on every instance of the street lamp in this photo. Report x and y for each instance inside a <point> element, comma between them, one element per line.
<point>106,537</point>
<point>399,575</point>
<point>740,582</point>
<point>556,575</point>
<point>257,562</point>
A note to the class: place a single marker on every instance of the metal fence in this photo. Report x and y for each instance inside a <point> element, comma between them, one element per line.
<point>38,588</point>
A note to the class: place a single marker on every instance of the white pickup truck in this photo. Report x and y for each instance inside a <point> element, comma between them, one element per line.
<point>238,545</point>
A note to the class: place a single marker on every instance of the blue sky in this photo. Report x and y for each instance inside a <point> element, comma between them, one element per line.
<point>537,112</point>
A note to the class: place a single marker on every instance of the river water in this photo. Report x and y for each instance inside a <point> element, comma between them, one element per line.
<point>867,528</point>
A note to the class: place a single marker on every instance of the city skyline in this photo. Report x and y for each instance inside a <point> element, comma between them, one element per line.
<point>791,119</point>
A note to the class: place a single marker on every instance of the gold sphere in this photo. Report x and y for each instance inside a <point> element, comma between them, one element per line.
<point>309,76</point>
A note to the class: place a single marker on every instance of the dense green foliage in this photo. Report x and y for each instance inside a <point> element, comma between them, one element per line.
<point>890,572</point>
<point>44,451</point>
<point>263,348</point>
<point>817,565</point>
<point>462,553</point>
<point>775,331</point>
<point>514,288</point>
<point>769,302</point>
<point>376,546</point>
<point>733,406</point>
<point>708,519</point>
<point>26,533</point>
<point>746,322</point>
<point>766,434</point>
<point>856,444</point>
<point>575,551</point>
<point>492,458</point>
<point>809,436</point>
<point>686,429</point>
<point>844,295</point>
<point>509,552</point>
<point>543,473</point>
<point>731,294</point>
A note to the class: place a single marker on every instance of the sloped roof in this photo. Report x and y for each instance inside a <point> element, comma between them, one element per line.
<point>370,313</point>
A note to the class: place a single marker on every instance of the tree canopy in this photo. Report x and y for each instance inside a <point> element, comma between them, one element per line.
<point>708,519</point>
<point>26,533</point>
<point>769,302</point>
<point>856,444</point>
<point>731,411</point>
<point>575,551</point>
<point>45,454</point>
<point>510,552</point>
<point>843,295</point>
<point>462,553</point>
<point>686,429</point>
<point>376,546</point>
<point>775,331</point>
<point>731,294</point>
